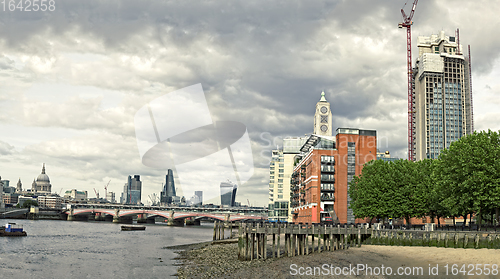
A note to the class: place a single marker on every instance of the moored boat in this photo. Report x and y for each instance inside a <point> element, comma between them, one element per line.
<point>133,228</point>
<point>11,229</point>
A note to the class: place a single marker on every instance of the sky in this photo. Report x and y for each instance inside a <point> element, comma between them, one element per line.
<point>73,79</point>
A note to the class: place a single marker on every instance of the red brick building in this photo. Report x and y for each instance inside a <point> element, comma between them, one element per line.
<point>319,182</point>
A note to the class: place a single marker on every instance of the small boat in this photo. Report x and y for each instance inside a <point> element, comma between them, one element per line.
<point>11,229</point>
<point>133,228</point>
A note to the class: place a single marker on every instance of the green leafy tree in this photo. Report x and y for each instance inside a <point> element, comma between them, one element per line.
<point>469,174</point>
<point>29,203</point>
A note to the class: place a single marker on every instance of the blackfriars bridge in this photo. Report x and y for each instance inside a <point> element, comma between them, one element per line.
<point>173,215</point>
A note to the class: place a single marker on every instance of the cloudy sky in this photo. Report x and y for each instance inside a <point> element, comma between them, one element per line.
<point>72,80</point>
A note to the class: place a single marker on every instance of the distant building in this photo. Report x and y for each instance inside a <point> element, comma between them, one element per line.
<point>199,194</point>
<point>110,196</point>
<point>76,195</point>
<point>42,184</point>
<point>386,156</point>
<point>50,201</point>
<point>228,193</point>
<point>132,190</point>
<point>8,198</point>
<point>168,193</point>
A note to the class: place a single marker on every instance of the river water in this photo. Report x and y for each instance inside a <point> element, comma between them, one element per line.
<point>63,249</point>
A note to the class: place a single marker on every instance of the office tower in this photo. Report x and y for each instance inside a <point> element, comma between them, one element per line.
<point>199,194</point>
<point>132,190</point>
<point>110,196</point>
<point>442,95</point>
<point>228,193</point>
<point>166,196</point>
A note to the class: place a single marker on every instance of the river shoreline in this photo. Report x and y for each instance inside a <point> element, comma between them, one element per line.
<point>204,260</point>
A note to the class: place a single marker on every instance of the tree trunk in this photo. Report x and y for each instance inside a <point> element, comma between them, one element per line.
<point>496,216</point>
<point>439,222</point>
<point>479,218</point>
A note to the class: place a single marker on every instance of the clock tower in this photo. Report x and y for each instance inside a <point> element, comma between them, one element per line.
<point>323,118</point>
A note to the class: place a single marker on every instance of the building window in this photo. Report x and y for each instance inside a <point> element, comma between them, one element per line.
<point>280,180</point>
<point>280,191</point>
<point>281,175</point>
<point>280,196</point>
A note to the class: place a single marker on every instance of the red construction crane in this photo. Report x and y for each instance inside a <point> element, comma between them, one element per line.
<point>407,23</point>
<point>106,190</point>
<point>96,194</point>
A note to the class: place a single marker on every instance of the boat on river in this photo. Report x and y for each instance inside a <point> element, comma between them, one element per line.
<point>133,228</point>
<point>12,229</point>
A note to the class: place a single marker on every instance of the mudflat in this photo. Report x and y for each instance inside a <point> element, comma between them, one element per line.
<point>368,261</point>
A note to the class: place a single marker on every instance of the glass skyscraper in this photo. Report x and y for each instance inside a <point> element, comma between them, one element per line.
<point>442,95</point>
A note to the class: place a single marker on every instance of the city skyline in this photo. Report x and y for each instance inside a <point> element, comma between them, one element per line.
<point>74,78</point>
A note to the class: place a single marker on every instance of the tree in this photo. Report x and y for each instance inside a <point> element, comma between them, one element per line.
<point>469,174</point>
<point>29,203</point>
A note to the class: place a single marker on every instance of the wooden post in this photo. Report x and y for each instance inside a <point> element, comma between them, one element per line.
<point>324,238</point>
<point>331,238</point>
<point>258,240</point>
<point>279,244</point>
<point>306,241</point>
<point>252,253</point>
<point>215,231</point>
<point>264,242</point>
<point>274,243</point>
<point>222,230</point>
<point>312,238</point>
<point>319,239</point>
<point>359,237</point>
<point>240,242</point>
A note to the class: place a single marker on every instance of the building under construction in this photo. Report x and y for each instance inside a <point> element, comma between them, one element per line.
<point>442,94</point>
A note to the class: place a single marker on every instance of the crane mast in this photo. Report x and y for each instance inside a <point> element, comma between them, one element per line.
<point>411,127</point>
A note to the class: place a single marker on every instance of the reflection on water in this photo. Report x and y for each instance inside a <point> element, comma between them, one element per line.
<point>63,249</point>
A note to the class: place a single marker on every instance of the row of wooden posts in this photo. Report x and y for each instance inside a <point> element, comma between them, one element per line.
<point>444,239</point>
<point>298,239</point>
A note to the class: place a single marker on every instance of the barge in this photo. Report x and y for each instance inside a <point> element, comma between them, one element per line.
<point>133,228</point>
<point>11,229</point>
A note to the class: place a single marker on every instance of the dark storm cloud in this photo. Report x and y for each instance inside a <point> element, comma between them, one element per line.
<point>261,63</point>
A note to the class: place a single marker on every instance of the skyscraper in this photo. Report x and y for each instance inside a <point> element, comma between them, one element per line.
<point>228,193</point>
<point>442,95</point>
<point>132,190</point>
<point>168,192</point>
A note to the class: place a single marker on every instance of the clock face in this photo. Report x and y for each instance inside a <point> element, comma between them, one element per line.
<point>324,109</point>
<point>324,128</point>
<point>324,119</point>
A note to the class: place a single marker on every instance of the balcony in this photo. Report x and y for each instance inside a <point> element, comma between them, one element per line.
<point>328,190</point>
<point>327,198</point>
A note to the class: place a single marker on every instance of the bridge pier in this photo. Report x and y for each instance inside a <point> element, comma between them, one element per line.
<point>99,216</point>
<point>71,216</point>
<point>175,222</point>
<point>141,218</point>
<point>122,220</point>
<point>192,222</point>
